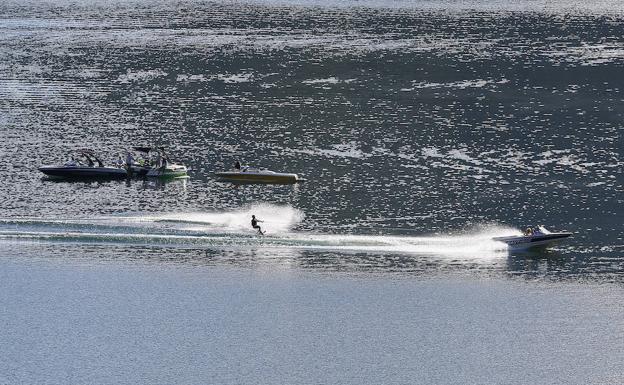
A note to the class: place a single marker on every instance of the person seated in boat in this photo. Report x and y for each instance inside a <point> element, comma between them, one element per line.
<point>71,162</point>
<point>119,163</point>
<point>237,165</point>
<point>254,224</point>
<point>528,232</point>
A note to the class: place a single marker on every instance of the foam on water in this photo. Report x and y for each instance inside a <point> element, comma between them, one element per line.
<point>475,245</point>
<point>279,218</point>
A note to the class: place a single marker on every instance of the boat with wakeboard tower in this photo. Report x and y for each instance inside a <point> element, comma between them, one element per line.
<point>154,162</point>
<point>533,237</point>
<point>85,165</point>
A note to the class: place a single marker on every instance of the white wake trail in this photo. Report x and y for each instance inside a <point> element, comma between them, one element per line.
<point>278,219</point>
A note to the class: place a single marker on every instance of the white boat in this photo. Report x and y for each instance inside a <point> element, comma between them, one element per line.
<point>533,237</point>
<point>155,163</point>
<point>167,170</point>
<point>87,166</point>
<point>256,175</point>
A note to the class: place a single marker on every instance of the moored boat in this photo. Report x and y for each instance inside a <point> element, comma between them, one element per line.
<point>167,170</point>
<point>256,175</point>
<point>154,163</point>
<point>87,166</point>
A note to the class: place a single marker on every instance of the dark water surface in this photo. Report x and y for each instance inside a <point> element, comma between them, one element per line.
<point>407,119</point>
<point>423,129</point>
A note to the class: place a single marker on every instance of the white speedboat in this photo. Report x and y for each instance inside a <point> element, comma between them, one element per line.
<point>155,163</point>
<point>533,237</point>
<point>87,166</point>
<point>256,175</point>
<point>167,170</point>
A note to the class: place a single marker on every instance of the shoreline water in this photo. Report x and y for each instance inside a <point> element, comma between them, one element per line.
<point>187,324</point>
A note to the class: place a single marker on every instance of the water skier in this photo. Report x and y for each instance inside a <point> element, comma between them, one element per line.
<point>254,224</point>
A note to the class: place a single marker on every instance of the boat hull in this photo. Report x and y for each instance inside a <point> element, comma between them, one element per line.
<point>84,172</point>
<point>171,171</point>
<point>258,177</point>
<point>532,241</point>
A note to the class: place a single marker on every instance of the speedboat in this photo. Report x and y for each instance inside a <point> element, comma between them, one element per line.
<point>155,163</point>
<point>167,170</point>
<point>256,175</point>
<point>87,166</point>
<point>533,237</point>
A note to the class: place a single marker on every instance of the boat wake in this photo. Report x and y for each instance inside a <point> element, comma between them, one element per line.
<point>231,229</point>
<point>280,219</point>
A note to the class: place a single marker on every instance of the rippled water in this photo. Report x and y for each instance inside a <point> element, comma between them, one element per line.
<point>423,128</point>
<point>410,120</point>
<point>407,122</point>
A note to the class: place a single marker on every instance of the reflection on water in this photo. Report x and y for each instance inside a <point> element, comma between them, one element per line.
<point>175,184</point>
<point>146,183</point>
<point>162,184</point>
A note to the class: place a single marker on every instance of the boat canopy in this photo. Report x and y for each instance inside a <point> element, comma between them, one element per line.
<point>142,149</point>
<point>148,149</point>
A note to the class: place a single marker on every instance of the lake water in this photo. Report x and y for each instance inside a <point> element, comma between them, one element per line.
<point>423,129</point>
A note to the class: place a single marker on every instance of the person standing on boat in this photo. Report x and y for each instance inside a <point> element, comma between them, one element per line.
<point>129,163</point>
<point>254,224</point>
<point>237,165</point>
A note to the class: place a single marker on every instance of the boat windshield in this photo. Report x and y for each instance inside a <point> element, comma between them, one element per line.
<point>253,170</point>
<point>541,229</point>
